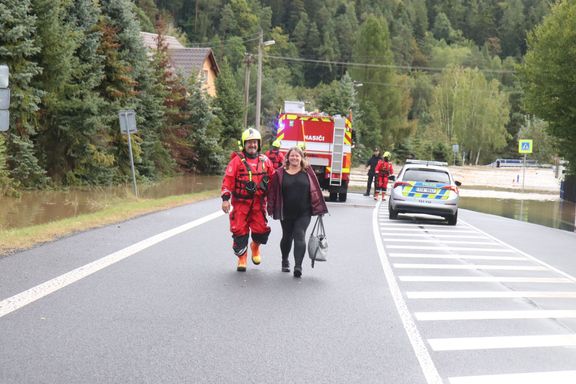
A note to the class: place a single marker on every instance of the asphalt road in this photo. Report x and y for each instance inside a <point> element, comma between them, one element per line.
<point>157,300</point>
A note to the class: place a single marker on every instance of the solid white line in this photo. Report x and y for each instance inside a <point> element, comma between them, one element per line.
<point>18,301</point>
<point>428,368</point>
<point>471,266</point>
<point>554,377</point>
<point>490,294</point>
<point>502,342</point>
<point>441,241</point>
<point>447,256</point>
<point>451,248</point>
<point>495,315</point>
<point>486,279</point>
<point>521,252</point>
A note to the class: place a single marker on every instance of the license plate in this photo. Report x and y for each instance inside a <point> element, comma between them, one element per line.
<point>425,190</point>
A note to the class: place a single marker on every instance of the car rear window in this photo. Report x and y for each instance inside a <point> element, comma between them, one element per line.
<point>426,175</point>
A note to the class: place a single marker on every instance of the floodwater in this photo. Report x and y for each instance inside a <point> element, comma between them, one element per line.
<point>551,213</point>
<point>40,207</point>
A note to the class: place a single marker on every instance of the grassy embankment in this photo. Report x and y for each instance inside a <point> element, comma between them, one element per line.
<point>12,240</point>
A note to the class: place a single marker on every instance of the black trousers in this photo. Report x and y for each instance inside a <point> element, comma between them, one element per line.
<point>371,179</point>
<point>294,230</point>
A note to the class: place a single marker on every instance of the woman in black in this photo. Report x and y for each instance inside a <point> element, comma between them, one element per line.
<point>294,196</point>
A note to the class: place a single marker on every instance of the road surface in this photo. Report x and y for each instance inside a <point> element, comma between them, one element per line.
<point>157,300</point>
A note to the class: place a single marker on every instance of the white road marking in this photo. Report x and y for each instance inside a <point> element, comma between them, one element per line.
<point>472,266</point>
<point>441,241</point>
<point>502,342</point>
<point>420,350</point>
<point>424,234</point>
<point>553,377</point>
<point>486,279</point>
<point>18,301</point>
<point>449,256</point>
<point>490,294</point>
<point>429,248</point>
<point>495,315</point>
<point>521,252</point>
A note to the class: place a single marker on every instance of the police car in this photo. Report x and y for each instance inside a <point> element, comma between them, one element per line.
<point>425,187</point>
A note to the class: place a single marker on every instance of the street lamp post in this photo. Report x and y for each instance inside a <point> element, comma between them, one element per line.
<point>261,44</point>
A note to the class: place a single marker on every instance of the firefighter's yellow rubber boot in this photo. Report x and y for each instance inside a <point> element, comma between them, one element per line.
<point>255,247</point>
<point>242,262</point>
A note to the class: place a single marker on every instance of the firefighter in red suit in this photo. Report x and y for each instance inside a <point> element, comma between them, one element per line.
<point>274,154</point>
<point>244,187</point>
<point>383,170</point>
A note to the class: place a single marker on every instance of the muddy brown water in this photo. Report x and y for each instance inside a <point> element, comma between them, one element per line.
<point>39,207</point>
<point>555,214</point>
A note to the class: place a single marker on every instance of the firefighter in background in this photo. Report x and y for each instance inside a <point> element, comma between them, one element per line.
<point>274,154</point>
<point>244,187</point>
<point>383,170</point>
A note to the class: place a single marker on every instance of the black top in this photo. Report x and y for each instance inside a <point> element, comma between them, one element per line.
<point>372,162</point>
<point>296,195</point>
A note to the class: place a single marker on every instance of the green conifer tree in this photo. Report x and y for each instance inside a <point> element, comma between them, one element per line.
<point>17,50</point>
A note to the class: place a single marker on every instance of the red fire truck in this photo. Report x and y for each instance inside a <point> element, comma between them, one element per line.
<point>327,142</point>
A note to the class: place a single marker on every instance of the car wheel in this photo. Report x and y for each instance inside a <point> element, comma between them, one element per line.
<point>333,196</point>
<point>342,197</point>
<point>452,219</point>
<point>392,213</point>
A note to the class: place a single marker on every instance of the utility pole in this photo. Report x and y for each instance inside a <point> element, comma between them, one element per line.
<point>259,80</point>
<point>261,44</point>
<point>248,60</point>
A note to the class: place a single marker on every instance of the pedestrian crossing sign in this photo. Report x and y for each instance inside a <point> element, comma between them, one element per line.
<point>524,146</point>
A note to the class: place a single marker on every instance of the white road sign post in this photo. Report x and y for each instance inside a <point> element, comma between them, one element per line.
<point>524,146</point>
<point>128,126</point>
<point>4,98</point>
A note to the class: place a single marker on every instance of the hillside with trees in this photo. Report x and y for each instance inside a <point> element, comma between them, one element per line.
<point>418,77</point>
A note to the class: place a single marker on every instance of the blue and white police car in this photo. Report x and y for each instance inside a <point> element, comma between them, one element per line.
<point>425,187</point>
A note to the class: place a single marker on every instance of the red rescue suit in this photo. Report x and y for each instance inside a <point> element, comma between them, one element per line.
<point>276,157</point>
<point>383,170</point>
<point>246,182</point>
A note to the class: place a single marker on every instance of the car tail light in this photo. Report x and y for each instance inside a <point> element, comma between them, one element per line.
<point>451,188</point>
<point>401,184</point>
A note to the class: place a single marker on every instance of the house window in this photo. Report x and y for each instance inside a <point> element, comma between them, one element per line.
<point>205,76</point>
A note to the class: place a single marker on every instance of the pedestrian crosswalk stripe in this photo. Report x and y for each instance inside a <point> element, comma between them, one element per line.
<point>495,315</point>
<point>485,279</point>
<point>424,234</point>
<point>487,242</point>
<point>490,294</point>
<point>554,377</point>
<point>471,266</point>
<point>452,256</point>
<point>502,342</point>
<point>430,248</point>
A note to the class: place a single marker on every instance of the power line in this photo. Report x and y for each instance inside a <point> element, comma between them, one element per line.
<point>224,42</point>
<point>370,65</point>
